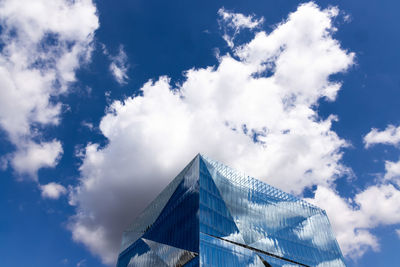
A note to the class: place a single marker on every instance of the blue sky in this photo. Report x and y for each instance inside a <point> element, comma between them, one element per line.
<point>301,95</point>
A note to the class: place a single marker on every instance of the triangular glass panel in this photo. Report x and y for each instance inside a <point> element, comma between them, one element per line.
<point>215,218</point>
<point>135,250</point>
<point>195,262</point>
<point>230,194</point>
<point>265,263</point>
<point>178,224</point>
<point>170,255</point>
<point>151,213</point>
<point>147,259</point>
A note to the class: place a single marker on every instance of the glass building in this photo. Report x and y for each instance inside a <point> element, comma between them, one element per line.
<point>212,215</point>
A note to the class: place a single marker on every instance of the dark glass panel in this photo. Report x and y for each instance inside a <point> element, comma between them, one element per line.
<point>178,223</point>
<point>151,213</point>
<point>193,263</point>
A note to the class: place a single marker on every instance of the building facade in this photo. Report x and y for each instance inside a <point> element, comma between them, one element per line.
<point>212,215</point>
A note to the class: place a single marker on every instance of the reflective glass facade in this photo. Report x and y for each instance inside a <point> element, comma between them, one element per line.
<point>212,215</point>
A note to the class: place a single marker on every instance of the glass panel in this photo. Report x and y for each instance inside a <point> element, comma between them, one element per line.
<point>147,259</point>
<point>215,219</point>
<point>271,220</point>
<point>228,219</point>
<point>134,252</point>
<point>218,253</point>
<point>151,213</point>
<point>178,223</point>
<point>170,255</point>
<point>193,263</point>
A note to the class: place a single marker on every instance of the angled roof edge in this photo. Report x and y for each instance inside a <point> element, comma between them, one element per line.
<point>238,177</point>
<point>153,210</point>
<point>150,214</point>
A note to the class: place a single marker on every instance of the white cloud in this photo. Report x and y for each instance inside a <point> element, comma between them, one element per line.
<point>52,190</point>
<point>381,203</point>
<point>398,232</point>
<point>392,171</point>
<point>233,23</point>
<point>119,66</point>
<point>88,125</point>
<point>255,113</point>
<point>37,63</point>
<point>4,163</point>
<point>33,156</point>
<point>389,136</point>
<point>239,21</point>
<point>352,219</point>
<point>96,239</point>
<point>348,223</point>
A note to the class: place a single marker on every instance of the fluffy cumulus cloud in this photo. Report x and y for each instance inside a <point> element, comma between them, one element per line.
<point>254,111</point>
<point>376,205</point>
<point>379,204</point>
<point>43,43</point>
<point>392,171</point>
<point>33,156</point>
<point>389,136</point>
<point>52,190</point>
<point>352,219</point>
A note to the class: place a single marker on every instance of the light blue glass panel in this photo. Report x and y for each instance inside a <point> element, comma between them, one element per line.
<point>218,253</point>
<point>273,221</point>
<point>214,218</point>
<point>147,259</point>
<point>276,262</point>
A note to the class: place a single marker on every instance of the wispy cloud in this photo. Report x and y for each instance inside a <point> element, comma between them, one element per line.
<point>232,23</point>
<point>81,263</point>
<point>119,65</point>
<point>88,125</point>
<point>238,20</point>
